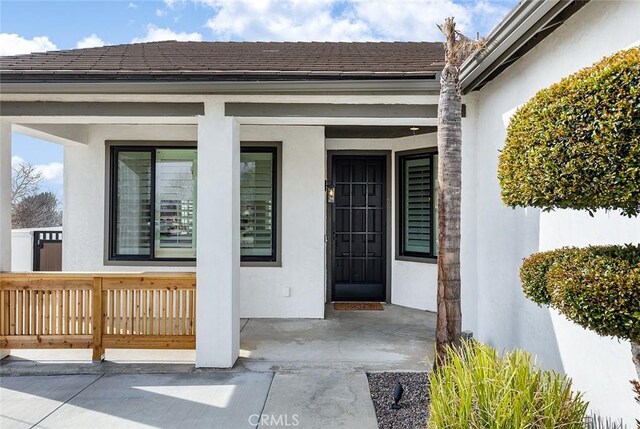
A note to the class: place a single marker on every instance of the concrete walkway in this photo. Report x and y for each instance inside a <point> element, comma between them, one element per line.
<point>292,373</point>
<point>213,400</point>
<point>322,399</point>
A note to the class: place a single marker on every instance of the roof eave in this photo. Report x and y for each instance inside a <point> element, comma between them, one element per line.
<point>406,85</point>
<point>525,26</point>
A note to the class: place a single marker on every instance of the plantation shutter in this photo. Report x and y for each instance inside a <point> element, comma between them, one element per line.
<point>175,203</point>
<point>133,203</point>
<point>434,217</point>
<point>257,204</point>
<point>417,201</point>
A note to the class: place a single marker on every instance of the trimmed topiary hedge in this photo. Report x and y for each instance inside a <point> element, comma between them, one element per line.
<point>597,287</point>
<point>576,144</point>
<point>533,274</point>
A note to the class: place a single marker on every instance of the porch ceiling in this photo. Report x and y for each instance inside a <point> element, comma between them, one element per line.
<point>130,109</point>
<point>181,109</point>
<point>374,131</point>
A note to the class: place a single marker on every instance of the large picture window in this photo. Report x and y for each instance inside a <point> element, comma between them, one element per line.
<point>417,202</point>
<point>153,203</point>
<point>258,203</point>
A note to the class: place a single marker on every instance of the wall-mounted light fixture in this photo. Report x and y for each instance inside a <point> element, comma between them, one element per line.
<point>331,192</point>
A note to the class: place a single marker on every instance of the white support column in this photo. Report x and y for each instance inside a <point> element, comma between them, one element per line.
<point>218,239</point>
<point>5,196</point>
<point>5,203</point>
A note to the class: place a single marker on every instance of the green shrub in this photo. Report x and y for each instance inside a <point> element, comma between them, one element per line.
<point>576,144</point>
<point>477,389</point>
<point>597,287</point>
<point>533,274</point>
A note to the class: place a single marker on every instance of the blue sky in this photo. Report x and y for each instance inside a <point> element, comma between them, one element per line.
<point>34,26</point>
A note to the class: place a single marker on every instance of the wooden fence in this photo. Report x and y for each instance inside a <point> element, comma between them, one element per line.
<point>97,310</point>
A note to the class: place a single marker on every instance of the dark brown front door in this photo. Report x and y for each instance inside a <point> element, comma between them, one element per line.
<point>359,228</point>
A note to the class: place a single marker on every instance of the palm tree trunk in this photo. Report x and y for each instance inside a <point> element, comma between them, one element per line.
<point>449,318</point>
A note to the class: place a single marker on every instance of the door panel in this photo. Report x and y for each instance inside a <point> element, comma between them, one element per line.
<point>47,251</point>
<point>359,228</point>
<point>51,257</point>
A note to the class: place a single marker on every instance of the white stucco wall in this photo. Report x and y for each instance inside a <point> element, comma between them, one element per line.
<point>85,188</point>
<point>303,224</point>
<point>413,284</point>
<point>22,247</point>
<point>22,250</point>
<point>469,217</point>
<point>599,366</point>
<point>261,288</point>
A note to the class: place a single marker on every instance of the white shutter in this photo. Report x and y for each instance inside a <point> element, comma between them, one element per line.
<point>257,204</point>
<point>133,213</point>
<point>175,209</point>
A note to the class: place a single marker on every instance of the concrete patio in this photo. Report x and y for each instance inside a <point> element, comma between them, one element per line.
<point>311,369</point>
<point>397,338</point>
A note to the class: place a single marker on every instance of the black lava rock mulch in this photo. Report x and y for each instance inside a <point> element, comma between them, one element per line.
<point>414,411</point>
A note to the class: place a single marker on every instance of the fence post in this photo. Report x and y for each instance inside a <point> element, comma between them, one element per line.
<point>96,319</point>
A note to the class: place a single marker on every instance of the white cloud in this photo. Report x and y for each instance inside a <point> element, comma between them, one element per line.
<point>292,20</point>
<point>487,14</point>
<point>51,172</point>
<point>172,3</point>
<point>354,20</point>
<point>160,12</point>
<point>155,34</point>
<point>92,41</point>
<point>13,44</point>
<point>416,20</point>
<point>16,160</point>
<point>132,5</point>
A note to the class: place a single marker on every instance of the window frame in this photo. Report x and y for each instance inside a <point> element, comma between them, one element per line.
<point>111,259</point>
<point>275,149</point>
<point>151,147</point>
<point>400,252</point>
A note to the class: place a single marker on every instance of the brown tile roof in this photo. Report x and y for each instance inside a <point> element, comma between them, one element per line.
<point>173,60</point>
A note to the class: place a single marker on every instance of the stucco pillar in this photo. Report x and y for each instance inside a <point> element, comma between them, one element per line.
<point>218,239</point>
<point>5,203</point>
<point>5,196</point>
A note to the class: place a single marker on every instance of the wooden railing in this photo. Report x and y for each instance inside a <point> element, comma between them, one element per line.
<point>97,310</point>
